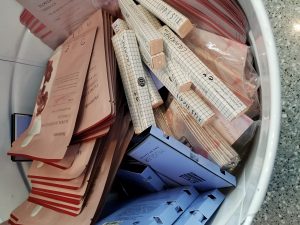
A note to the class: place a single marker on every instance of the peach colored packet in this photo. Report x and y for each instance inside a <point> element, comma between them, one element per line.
<point>62,198</point>
<point>68,159</point>
<point>52,125</point>
<point>56,202</point>
<point>58,19</point>
<point>97,101</point>
<point>33,214</point>
<point>43,171</point>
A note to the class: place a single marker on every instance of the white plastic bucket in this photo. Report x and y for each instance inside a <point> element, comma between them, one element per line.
<point>22,58</point>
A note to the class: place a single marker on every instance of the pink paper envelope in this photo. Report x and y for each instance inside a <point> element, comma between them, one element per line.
<point>68,159</point>
<point>29,213</point>
<point>57,103</point>
<point>96,105</point>
<point>54,202</point>
<point>75,201</point>
<point>80,163</point>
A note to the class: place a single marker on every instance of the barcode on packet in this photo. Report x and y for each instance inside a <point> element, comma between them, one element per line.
<point>192,178</point>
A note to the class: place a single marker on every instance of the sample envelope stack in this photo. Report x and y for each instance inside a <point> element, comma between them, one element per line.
<point>80,128</point>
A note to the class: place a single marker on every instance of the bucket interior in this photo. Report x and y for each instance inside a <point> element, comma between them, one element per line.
<point>22,61</point>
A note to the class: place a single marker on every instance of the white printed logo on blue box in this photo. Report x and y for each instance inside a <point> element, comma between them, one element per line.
<point>176,161</point>
<point>201,209</point>
<point>141,176</point>
<point>160,208</point>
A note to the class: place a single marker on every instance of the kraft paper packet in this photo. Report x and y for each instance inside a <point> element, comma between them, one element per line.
<point>56,207</point>
<point>29,213</point>
<point>60,187</point>
<point>59,19</point>
<point>95,134</point>
<point>78,182</point>
<point>57,103</point>
<point>79,190</point>
<point>62,198</point>
<point>97,100</point>
<point>43,171</point>
<point>61,191</point>
<point>55,202</point>
<point>77,193</point>
<point>103,128</point>
<point>74,206</point>
<point>68,159</point>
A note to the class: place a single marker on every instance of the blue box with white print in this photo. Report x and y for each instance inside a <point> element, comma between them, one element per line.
<point>202,209</point>
<point>159,208</point>
<point>179,163</point>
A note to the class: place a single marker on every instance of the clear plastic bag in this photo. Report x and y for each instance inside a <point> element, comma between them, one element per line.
<point>231,62</point>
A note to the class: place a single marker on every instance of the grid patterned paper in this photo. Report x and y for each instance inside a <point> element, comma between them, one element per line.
<point>137,21</point>
<point>210,86</point>
<point>155,97</point>
<point>134,81</point>
<point>170,16</point>
<point>181,79</point>
<point>132,104</point>
<point>119,25</point>
<point>188,100</point>
<point>150,17</point>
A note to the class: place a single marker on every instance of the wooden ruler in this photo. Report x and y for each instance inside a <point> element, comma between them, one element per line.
<point>138,22</point>
<point>209,85</point>
<point>170,16</point>
<point>134,81</point>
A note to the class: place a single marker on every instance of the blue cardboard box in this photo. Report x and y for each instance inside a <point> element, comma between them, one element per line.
<point>159,208</point>
<point>141,176</point>
<point>179,163</point>
<point>19,123</point>
<point>202,209</point>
